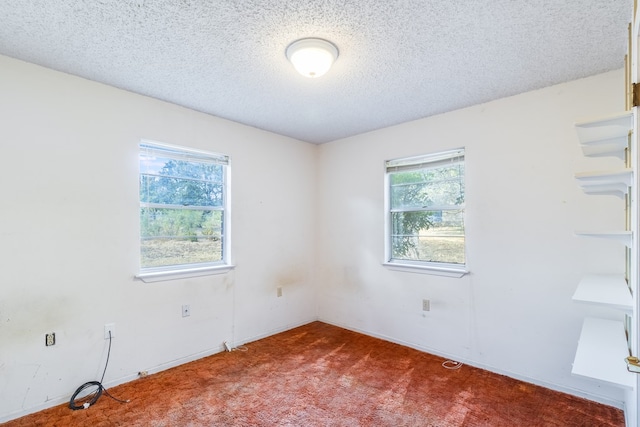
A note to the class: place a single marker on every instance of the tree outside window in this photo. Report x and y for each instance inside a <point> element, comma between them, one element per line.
<point>182,207</point>
<point>426,209</point>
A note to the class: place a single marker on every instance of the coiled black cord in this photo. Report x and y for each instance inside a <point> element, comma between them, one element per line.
<point>93,397</point>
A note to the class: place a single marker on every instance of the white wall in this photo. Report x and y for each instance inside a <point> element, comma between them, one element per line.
<point>513,313</point>
<point>69,237</point>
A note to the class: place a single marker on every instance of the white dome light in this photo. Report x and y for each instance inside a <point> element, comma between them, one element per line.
<point>312,57</point>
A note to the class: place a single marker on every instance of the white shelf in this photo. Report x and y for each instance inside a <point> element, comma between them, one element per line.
<point>607,147</point>
<point>624,237</point>
<point>606,135</point>
<point>606,290</point>
<point>606,182</point>
<point>601,353</point>
<point>618,190</point>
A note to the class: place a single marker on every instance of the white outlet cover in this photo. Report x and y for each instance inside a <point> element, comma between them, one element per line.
<point>109,327</point>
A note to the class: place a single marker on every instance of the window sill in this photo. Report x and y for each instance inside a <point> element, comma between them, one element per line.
<point>186,273</point>
<point>427,269</point>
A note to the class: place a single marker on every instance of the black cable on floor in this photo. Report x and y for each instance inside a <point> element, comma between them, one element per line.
<point>95,395</point>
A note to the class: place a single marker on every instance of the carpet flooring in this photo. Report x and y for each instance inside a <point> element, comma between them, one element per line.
<point>322,375</point>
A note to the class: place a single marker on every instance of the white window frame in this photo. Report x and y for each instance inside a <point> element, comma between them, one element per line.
<point>181,271</point>
<point>427,267</point>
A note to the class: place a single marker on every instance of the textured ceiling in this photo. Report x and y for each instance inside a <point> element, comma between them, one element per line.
<point>399,60</point>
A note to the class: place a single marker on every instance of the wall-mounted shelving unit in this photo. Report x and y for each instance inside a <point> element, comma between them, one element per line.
<point>604,343</point>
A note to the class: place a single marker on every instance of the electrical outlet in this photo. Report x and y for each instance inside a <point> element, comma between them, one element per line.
<point>279,291</point>
<point>109,330</point>
<point>186,310</point>
<point>143,374</point>
<point>426,305</point>
<point>50,339</point>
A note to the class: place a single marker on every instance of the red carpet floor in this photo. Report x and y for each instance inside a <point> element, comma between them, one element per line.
<point>321,375</point>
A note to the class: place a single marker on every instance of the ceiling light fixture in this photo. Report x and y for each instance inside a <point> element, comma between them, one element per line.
<point>312,57</point>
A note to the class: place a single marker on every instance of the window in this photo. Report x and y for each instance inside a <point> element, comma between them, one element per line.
<point>425,211</point>
<point>183,210</point>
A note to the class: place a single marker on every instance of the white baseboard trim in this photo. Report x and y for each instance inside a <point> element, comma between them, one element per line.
<point>271,332</point>
<point>33,409</point>
<point>556,387</point>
